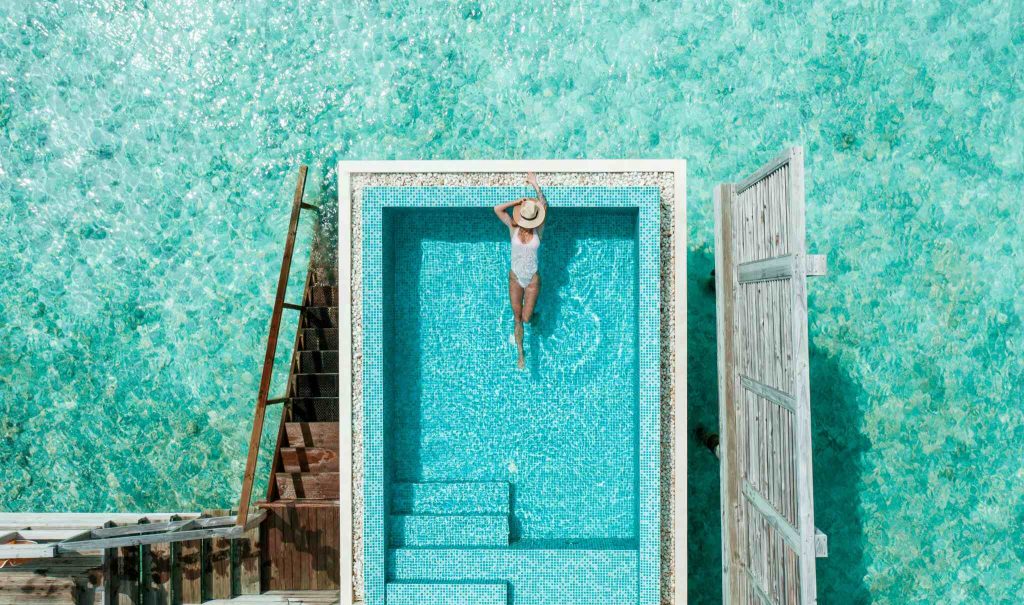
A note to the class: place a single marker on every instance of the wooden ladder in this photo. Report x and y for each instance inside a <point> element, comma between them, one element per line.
<point>263,397</point>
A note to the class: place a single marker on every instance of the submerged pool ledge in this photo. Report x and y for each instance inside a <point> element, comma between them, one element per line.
<point>534,576</point>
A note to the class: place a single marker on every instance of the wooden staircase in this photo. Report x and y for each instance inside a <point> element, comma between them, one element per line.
<point>301,532</point>
<point>302,496</point>
<point>305,467</point>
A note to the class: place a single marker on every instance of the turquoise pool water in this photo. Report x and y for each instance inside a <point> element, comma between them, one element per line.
<point>146,152</point>
<point>562,432</point>
<point>543,479</point>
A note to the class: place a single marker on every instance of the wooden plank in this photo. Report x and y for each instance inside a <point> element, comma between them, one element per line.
<point>762,172</point>
<point>128,575</point>
<point>725,288</point>
<point>820,544</point>
<point>268,360</point>
<point>309,486</point>
<point>780,267</point>
<point>27,551</point>
<point>772,516</point>
<point>232,531</point>
<point>31,521</point>
<point>271,561</point>
<point>219,557</point>
<point>190,569</point>
<point>763,390</point>
<point>326,528</point>
<point>816,265</point>
<point>156,573</point>
<point>771,394</point>
<point>51,534</point>
<point>22,588</point>
<point>247,562</point>
<point>309,460</point>
<point>312,434</point>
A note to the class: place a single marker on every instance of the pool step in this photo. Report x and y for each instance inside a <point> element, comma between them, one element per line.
<point>312,434</point>
<point>307,486</point>
<point>319,339</point>
<point>309,460</point>
<point>318,362</point>
<point>451,498</point>
<point>315,385</point>
<point>449,530</point>
<point>422,593</point>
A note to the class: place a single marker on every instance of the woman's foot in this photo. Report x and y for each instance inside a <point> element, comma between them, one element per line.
<point>521,364</point>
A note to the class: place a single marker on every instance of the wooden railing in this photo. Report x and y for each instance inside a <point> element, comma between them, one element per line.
<point>268,361</point>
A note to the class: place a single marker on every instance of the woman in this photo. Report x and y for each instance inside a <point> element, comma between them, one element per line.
<point>525,227</point>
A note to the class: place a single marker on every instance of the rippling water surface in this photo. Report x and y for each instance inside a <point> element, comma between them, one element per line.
<point>146,152</point>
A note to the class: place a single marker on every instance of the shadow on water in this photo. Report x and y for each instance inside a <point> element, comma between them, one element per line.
<point>566,229</point>
<point>838,452</point>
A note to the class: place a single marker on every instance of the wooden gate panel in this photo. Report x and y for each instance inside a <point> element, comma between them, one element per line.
<point>767,491</point>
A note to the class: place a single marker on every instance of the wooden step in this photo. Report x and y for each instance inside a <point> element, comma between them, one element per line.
<point>319,339</point>
<point>315,409</point>
<point>323,296</point>
<point>312,434</point>
<point>318,362</point>
<point>307,486</point>
<point>320,317</point>
<point>309,460</point>
<point>324,275</point>
<point>315,385</point>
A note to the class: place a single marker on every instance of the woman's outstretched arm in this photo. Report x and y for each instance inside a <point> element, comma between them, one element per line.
<point>502,211</point>
<point>531,178</point>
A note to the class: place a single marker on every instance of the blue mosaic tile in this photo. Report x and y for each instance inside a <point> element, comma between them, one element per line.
<point>449,530</point>
<point>414,593</point>
<point>536,577</point>
<point>444,498</point>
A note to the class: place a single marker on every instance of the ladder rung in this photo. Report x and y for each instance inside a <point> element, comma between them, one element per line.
<point>306,206</point>
<point>293,306</point>
<point>277,400</point>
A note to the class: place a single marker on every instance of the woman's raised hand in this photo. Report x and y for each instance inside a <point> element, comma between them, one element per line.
<point>531,178</point>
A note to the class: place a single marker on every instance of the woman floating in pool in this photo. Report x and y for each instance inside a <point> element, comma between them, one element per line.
<point>525,227</point>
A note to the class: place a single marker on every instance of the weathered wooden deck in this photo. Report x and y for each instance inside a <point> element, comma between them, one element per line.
<point>160,573</point>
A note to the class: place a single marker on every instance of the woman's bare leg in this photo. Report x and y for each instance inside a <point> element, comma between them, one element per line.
<point>530,298</point>
<point>515,295</point>
<point>529,302</point>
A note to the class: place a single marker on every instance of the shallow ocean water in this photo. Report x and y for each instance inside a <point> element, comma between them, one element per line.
<point>146,157</point>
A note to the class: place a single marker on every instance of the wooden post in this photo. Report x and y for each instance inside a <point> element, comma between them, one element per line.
<point>247,563</point>
<point>218,566</point>
<point>725,290</point>
<point>128,567</point>
<point>190,573</point>
<point>156,573</point>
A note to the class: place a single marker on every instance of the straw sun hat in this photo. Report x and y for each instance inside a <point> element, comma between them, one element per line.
<point>529,214</point>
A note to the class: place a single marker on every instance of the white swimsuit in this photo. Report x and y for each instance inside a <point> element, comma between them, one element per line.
<point>524,258</point>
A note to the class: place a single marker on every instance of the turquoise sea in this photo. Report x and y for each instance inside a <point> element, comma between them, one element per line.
<point>147,150</point>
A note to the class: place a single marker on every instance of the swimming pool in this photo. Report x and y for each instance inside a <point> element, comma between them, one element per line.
<point>539,485</point>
